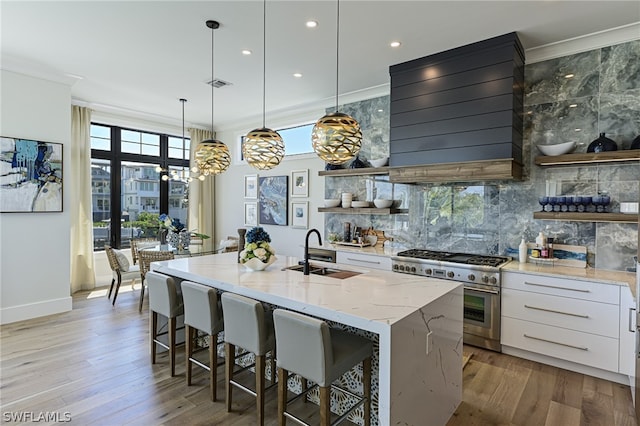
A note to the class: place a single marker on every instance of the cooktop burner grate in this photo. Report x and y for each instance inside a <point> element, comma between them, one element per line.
<point>461,258</point>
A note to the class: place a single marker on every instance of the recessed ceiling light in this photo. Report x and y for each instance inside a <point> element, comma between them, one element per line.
<point>573,105</point>
<point>297,75</point>
<point>395,44</point>
<point>311,24</point>
<point>578,130</point>
<point>568,76</point>
<point>246,52</point>
<point>380,110</point>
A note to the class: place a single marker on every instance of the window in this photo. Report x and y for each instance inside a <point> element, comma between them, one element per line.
<point>297,140</point>
<point>128,191</point>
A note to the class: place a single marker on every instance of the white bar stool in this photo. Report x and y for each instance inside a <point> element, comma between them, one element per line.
<point>202,311</point>
<point>164,299</point>
<point>310,348</point>
<point>248,326</point>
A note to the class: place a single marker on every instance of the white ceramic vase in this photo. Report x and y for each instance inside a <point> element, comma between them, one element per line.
<point>255,264</point>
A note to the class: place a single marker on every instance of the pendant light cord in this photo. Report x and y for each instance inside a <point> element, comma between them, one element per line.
<point>213,30</point>
<point>337,49</point>
<point>264,59</point>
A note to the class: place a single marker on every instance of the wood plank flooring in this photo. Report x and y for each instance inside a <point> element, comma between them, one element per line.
<point>93,364</point>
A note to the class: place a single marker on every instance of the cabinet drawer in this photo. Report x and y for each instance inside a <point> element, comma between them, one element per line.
<point>574,289</point>
<point>575,314</point>
<point>364,260</point>
<point>582,348</point>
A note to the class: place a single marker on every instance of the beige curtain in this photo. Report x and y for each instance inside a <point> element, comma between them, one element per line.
<point>79,186</point>
<point>201,195</point>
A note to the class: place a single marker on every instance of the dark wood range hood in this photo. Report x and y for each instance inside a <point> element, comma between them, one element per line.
<point>456,116</point>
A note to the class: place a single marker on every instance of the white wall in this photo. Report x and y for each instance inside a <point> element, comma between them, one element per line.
<point>34,247</point>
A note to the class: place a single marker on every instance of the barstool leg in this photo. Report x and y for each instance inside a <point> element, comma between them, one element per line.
<point>172,345</point>
<point>366,387</point>
<point>282,395</point>
<point>229,362</point>
<point>213,366</point>
<point>260,372</point>
<point>188,350</point>
<point>153,325</point>
<point>141,296</point>
<point>325,405</point>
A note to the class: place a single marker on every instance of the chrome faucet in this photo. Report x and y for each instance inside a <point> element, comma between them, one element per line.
<point>306,249</point>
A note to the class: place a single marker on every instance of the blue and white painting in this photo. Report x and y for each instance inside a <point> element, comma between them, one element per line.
<point>30,176</point>
<point>272,200</point>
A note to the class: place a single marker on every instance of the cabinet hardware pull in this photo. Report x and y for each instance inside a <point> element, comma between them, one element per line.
<point>364,261</point>
<point>582,348</point>
<point>629,327</point>
<point>557,312</point>
<point>482,290</point>
<point>559,288</point>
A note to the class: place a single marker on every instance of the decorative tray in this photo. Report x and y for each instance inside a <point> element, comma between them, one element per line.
<point>543,259</point>
<point>343,243</point>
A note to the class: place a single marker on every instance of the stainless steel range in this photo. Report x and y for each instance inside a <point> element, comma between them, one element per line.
<point>481,277</point>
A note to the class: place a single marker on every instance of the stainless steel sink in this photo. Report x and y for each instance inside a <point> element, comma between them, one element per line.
<point>323,270</point>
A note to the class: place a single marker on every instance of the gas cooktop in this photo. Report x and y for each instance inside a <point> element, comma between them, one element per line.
<point>460,258</point>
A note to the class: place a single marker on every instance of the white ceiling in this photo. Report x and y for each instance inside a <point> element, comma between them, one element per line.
<point>142,56</point>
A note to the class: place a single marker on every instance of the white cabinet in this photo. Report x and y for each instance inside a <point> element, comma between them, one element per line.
<point>364,260</point>
<point>627,357</point>
<point>572,320</point>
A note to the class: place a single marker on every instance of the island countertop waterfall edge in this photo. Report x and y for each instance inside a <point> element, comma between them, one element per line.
<point>411,315</point>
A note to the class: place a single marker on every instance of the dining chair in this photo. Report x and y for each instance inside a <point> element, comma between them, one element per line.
<point>137,244</point>
<point>121,270</point>
<point>146,257</point>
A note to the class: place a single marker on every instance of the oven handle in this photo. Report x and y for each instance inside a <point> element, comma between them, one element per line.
<point>481,290</point>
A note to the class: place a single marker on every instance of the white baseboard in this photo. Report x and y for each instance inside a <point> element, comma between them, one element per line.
<point>35,310</point>
<point>567,365</point>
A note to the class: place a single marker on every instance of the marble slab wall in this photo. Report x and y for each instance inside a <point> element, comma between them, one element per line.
<point>602,96</point>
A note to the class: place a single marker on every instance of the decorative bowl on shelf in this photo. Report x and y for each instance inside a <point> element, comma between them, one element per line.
<point>557,149</point>
<point>379,162</point>
<point>359,204</point>
<point>396,204</point>
<point>382,204</point>
<point>331,202</point>
<point>256,264</point>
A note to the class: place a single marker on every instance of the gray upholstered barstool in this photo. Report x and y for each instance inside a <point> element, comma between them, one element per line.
<point>248,326</point>
<point>164,299</point>
<point>202,311</point>
<point>308,347</point>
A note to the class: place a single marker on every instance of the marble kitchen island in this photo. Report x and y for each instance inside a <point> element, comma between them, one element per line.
<point>418,322</point>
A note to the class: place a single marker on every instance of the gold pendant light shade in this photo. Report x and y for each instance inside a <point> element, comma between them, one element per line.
<point>336,138</point>
<point>212,157</point>
<point>263,148</point>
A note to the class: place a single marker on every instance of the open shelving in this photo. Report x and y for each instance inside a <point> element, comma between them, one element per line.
<point>587,217</point>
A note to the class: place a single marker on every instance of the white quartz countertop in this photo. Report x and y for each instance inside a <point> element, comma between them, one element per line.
<point>373,300</point>
<point>590,274</point>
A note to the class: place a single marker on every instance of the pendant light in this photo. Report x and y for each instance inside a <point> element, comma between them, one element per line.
<point>336,137</point>
<point>263,148</point>
<point>212,156</point>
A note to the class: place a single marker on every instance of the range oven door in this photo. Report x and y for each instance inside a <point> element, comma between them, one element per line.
<point>482,315</point>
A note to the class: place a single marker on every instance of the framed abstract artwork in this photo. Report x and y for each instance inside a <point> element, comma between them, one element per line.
<point>272,200</point>
<point>251,186</point>
<point>300,214</point>
<point>300,183</point>
<point>30,176</point>
<point>250,214</point>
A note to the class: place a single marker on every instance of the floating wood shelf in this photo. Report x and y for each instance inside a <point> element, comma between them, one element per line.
<point>470,171</point>
<point>364,210</point>
<point>587,217</point>
<point>588,158</point>
<point>355,172</point>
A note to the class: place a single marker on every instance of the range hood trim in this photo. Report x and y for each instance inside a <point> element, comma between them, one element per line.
<point>468,171</point>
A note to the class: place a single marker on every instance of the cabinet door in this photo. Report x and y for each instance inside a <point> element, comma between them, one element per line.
<point>364,260</point>
<point>627,333</point>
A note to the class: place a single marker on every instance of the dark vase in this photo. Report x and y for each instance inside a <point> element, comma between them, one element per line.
<point>357,163</point>
<point>602,144</point>
<point>241,240</point>
<point>636,143</point>
<point>330,166</point>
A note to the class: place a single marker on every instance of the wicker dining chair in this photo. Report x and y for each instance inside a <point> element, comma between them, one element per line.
<point>145,258</point>
<point>121,270</point>
<point>137,244</point>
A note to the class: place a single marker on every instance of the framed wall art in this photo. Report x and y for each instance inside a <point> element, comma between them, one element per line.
<point>251,186</point>
<point>30,176</point>
<point>300,214</point>
<point>250,214</point>
<point>272,200</point>
<point>300,183</point>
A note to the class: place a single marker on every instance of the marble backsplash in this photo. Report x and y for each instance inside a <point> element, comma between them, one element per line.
<point>492,217</point>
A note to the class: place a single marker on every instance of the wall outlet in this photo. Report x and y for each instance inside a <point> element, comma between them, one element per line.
<point>429,342</point>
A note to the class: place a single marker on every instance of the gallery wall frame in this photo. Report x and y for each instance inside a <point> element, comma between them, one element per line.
<point>273,200</point>
<point>251,214</point>
<point>31,174</point>
<point>251,186</point>
<point>300,214</point>
<point>300,183</point>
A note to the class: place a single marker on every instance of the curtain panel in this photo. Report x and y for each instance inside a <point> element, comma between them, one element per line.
<point>201,195</point>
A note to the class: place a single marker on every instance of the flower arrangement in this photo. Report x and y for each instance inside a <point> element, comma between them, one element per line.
<point>257,246</point>
<point>173,225</point>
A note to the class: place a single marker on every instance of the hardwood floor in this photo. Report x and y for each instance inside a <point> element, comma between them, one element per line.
<point>93,364</point>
